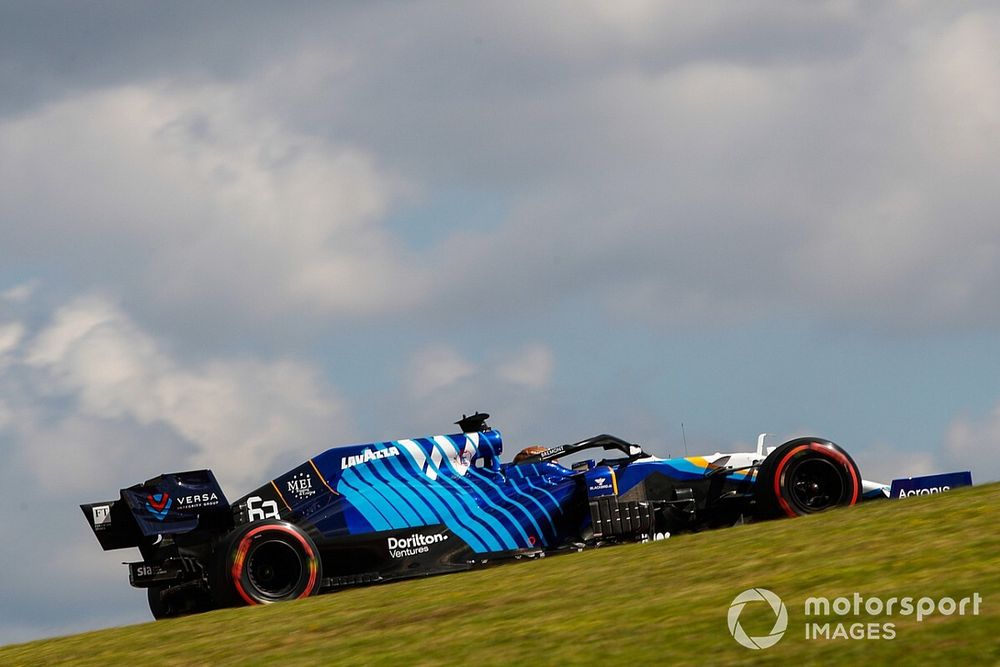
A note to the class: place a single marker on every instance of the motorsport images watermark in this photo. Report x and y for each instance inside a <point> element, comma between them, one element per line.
<point>780,621</point>
<point>821,614</point>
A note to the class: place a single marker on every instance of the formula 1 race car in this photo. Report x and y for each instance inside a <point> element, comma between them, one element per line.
<point>387,510</point>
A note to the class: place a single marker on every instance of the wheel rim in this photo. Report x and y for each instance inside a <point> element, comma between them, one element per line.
<point>816,484</point>
<point>274,568</point>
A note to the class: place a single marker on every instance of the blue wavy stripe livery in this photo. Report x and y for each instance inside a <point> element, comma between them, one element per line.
<point>441,502</point>
<point>394,490</point>
<point>527,508</point>
<point>470,500</point>
<point>469,492</point>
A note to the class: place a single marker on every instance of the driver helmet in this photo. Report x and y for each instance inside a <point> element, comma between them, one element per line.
<point>528,452</point>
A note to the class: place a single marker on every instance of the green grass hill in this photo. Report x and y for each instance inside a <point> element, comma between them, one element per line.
<point>658,603</point>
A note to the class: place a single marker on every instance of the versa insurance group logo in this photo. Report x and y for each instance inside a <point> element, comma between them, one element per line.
<point>158,504</point>
<point>780,618</point>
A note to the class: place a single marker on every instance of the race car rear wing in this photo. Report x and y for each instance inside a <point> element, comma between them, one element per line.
<point>171,503</point>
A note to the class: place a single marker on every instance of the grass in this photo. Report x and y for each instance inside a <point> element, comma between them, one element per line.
<point>637,604</point>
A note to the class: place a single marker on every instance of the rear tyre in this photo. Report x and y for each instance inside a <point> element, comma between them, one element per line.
<point>805,476</point>
<point>167,602</point>
<point>265,562</point>
<point>159,607</point>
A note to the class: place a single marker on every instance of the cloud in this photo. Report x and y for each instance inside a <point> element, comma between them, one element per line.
<point>440,384</point>
<point>10,335</point>
<point>19,293</point>
<point>884,462</point>
<point>266,197</point>
<point>972,444</point>
<point>91,402</point>
<point>677,165</point>
<point>435,368</point>
<point>439,367</point>
<point>651,165</point>
<point>181,199</point>
<point>530,367</point>
<point>128,394</point>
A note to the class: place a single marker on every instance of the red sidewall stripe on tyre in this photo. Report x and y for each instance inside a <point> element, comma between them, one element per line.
<point>840,458</point>
<point>244,547</point>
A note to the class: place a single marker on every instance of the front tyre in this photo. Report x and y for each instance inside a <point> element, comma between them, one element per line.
<point>265,562</point>
<point>805,476</point>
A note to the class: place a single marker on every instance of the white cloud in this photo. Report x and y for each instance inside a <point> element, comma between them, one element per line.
<point>973,444</point>
<point>186,196</point>
<point>957,100</point>
<point>238,416</point>
<point>884,462</point>
<point>19,293</point>
<point>709,184</point>
<point>440,384</point>
<point>677,165</point>
<point>530,367</point>
<point>10,335</point>
<point>435,368</point>
<point>835,162</point>
<point>91,402</point>
<point>439,367</point>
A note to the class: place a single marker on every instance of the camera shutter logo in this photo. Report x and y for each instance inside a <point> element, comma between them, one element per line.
<point>777,606</point>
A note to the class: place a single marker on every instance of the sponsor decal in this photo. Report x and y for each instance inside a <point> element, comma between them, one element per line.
<point>401,547</point>
<point>259,509</point>
<point>929,484</point>
<point>603,485</point>
<point>367,455</point>
<point>197,500</point>
<point>923,492</point>
<point>158,504</point>
<point>102,516</point>
<point>141,571</point>
<point>301,486</point>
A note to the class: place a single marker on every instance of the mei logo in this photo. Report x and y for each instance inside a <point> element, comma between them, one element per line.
<point>366,456</point>
<point>301,486</point>
<point>600,481</point>
<point>158,504</point>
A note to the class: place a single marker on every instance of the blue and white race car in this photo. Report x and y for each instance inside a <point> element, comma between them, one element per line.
<point>387,510</point>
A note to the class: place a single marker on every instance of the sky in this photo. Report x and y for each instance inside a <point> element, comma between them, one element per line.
<point>233,235</point>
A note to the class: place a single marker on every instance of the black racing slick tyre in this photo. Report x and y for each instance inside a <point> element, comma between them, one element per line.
<point>159,607</point>
<point>265,562</point>
<point>805,476</point>
<point>171,602</point>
